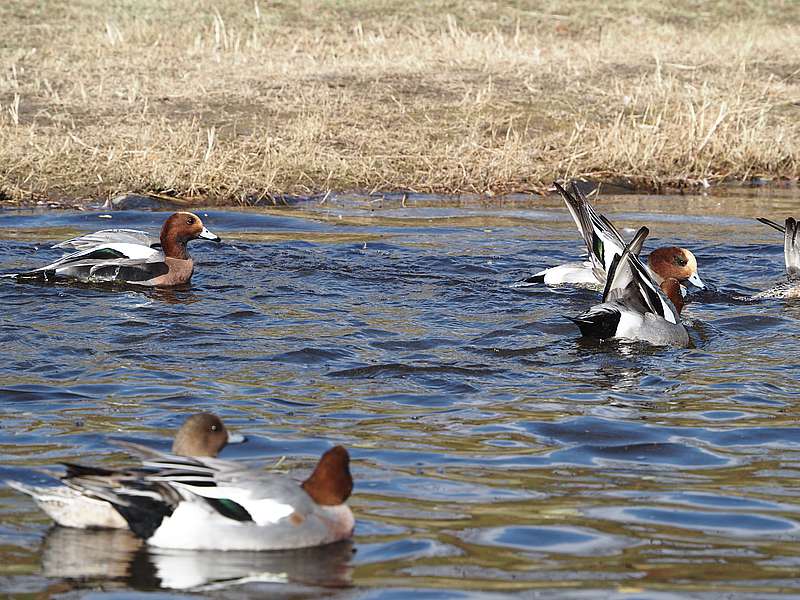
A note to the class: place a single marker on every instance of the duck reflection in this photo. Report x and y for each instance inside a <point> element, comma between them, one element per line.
<point>87,555</point>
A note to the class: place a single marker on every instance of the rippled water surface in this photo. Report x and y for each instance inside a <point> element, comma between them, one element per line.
<point>494,452</point>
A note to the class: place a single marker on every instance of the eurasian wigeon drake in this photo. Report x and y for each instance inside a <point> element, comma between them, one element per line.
<point>603,243</point>
<point>634,307</point>
<point>202,434</point>
<point>791,256</point>
<point>129,256</point>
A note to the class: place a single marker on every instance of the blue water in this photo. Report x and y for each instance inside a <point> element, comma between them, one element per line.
<point>494,451</point>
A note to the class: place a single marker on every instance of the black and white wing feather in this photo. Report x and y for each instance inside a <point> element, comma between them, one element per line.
<point>110,236</point>
<point>603,240</point>
<point>630,282</point>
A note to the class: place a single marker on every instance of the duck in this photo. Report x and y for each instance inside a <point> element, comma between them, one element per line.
<point>603,243</point>
<point>128,256</point>
<point>199,503</point>
<point>201,434</point>
<point>204,503</point>
<point>634,306</point>
<point>791,257</point>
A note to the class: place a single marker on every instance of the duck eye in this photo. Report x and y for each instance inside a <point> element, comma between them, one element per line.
<point>213,428</point>
<point>190,221</point>
<point>680,261</point>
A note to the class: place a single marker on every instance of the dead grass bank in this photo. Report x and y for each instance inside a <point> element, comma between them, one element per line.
<point>233,100</point>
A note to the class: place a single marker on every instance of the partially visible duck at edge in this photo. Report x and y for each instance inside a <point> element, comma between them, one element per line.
<point>603,243</point>
<point>791,256</point>
<point>202,434</point>
<point>128,256</point>
<point>634,306</point>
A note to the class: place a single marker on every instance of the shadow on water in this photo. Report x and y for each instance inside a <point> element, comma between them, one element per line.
<point>493,449</point>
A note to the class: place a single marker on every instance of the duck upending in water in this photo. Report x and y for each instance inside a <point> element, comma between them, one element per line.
<point>634,307</point>
<point>202,434</point>
<point>128,255</point>
<point>791,257</point>
<point>603,243</point>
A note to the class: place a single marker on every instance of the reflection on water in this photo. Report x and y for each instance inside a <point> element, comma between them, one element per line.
<point>493,450</point>
<point>118,557</point>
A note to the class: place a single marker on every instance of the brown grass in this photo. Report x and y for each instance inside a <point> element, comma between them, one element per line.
<point>237,100</point>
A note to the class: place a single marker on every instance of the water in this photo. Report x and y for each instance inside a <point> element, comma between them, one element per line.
<point>494,451</point>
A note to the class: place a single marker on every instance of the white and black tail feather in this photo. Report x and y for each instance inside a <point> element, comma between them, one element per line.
<point>791,248</point>
<point>603,240</point>
<point>772,224</point>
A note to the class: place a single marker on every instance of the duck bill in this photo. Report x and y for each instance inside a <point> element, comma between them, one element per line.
<point>207,235</point>
<point>696,281</point>
<point>236,438</point>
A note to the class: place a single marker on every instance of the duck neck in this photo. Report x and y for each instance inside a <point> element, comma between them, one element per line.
<point>672,288</point>
<point>174,247</point>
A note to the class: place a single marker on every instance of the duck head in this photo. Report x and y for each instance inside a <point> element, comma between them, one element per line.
<point>203,434</point>
<point>179,229</point>
<point>679,263</point>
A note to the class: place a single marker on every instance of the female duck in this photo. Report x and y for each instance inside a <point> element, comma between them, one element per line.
<point>634,307</point>
<point>202,434</point>
<point>129,256</point>
<point>603,243</point>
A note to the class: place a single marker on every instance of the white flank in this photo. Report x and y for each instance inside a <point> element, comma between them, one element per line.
<point>630,324</point>
<point>268,511</point>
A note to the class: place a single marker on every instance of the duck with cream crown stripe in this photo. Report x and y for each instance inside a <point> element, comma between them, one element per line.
<point>129,256</point>
<point>603,242</point>
<point>202,434</point>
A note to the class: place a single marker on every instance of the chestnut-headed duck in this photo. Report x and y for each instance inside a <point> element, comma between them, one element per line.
<point>791,256</point>
<point>202,434</point>
<point>634,306</point>
<point>603,243</point>
<point>129,256</point>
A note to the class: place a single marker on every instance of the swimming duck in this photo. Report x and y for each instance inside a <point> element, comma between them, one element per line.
<point>210,504</point>
<point>603,243</point>
<point>202,434</point>
<point>791,256</point>
<point>129,256</point>
<point>634,307</point>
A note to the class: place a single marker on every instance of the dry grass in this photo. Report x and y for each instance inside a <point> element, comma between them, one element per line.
<point>237,100</point>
